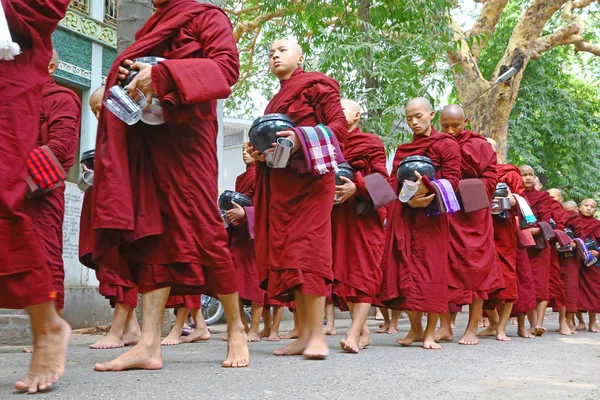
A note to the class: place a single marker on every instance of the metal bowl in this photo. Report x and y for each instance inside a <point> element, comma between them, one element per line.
<point>227,196</point>
<point>263,132</point>
<point>344,170</point>
<point>87,159</point>
<point>421,164</point>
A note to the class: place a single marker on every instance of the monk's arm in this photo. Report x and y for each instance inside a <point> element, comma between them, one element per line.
<point>377,164</point>
<point>63,126</point>
<point>489,175</point>
<point>558,215</point>
<point>198,80</point>
<point>515,183</point>
<point>450,168</point>
<point>329,109</point>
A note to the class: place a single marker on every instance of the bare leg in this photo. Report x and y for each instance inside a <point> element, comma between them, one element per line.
<point>445,332</point>
<point>470,336</point>
<point>541,313</point>
<point>359,318</point>
<point>429,334</point>
<point>593,323</point>
<point>581,326</point>
<point>415,334</point>
<point>267,322</point>
<point>378,314</point>
<point>504,316</point>
<point>50,339</point>
<point>494,319</point>
<point>383,328</point>
<point>277,315</point>
<point>201,332</point>
<point>562,320</point>
<point>114,337</point>
<point>298,346</point>
<point>330,318</point>
<point>316,348</point>
<point>453,320</point>
<point>253,332</point>
<point>571,322</point>
<point>522,330</point>
<point>295,332</point>
<point>237,346</point>
<point>132,333</point>
<point>174,337</point>
<point>393,330</point>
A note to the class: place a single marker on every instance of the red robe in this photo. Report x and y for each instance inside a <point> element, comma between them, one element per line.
<point>541,205</point>
<point>570,261</point>
<point>59,130</point>
<point>589,277</point>
<point>358,240</point>
<point>293,209</point>
<point>556,287</point>
<point>472,258</point>
<point>155,186</point>
<point>241,244</point>
<point>415,257</point>
<point>24,272</point>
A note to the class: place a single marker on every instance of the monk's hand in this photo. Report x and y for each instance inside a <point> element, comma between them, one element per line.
<point>236,213</point>
<point>124,70</point>
<point>293,137</point>
<point>345,191</point>
<point>594,253</point>
<point>142,81</point>
<point>534,231</point>
<point>573,245</point>
<point>419,200</point>
<point>513,200</point>
<point>421,186</point>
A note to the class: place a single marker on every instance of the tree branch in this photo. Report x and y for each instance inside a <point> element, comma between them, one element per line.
<point>486,23</point>
<point>252,48</point>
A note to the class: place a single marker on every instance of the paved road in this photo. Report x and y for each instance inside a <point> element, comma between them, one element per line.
<point>552,367</point>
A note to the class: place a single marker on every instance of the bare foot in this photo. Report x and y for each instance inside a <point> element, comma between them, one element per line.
<point>411,337</point>
<point>225,337</point>
<point>253,336</point>
<point>48,360</point>
<point>274,337</point>
<point>594,328</point>
<point>317,349</point>
<point>350,344</point>
<point>393,330</point>
<point>198,335</point>
<point>291,335</point>
<point>140,356</point>
<point>265,333</point>
<point>525,333</point>
<point>172,339</point>
<point>444,335</point>
<point>582,326</point>
<point>238,355</point>
<point>539,330</point>
<point>452,325</point>
<point>383,328</point>
<point>296,348</point>
<point>489,331</point>
<point>430,344</point>
<point>364,340</point>
<point>28,349</point>
<point>469,339</point>
<point>110,341</point>
<point>564,329</point>
<point>502,336</point>
<point>131,338</point>
<point>329,330</point>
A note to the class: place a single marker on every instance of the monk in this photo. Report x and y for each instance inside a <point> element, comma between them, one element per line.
<point>121,292</point>
<point>415,259</point>
<point>167,229</point>
<point>541,204</point>
<point>25,276</point>
<point>473,267</point>
<point>293,249</point>
<point>241,246</point>
<point>589,277</point>
<point>358,239</point>
<point>186,305</point>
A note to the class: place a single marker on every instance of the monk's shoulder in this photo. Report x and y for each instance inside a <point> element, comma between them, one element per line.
<point>61,99</point>
<point>371,139</point>
<point>446,145</point>
<point>211,15</point>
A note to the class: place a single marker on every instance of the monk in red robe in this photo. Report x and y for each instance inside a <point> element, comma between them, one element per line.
<point>589,277</point>
<point>473,267</point>
<point>24,272</point>
<point>293,249</point>
<point>121,292</point>
<point>241,245</point>
<point>358,239</point>
<point>155,185</point>
<point>541,204</point>
<point>415,259</point>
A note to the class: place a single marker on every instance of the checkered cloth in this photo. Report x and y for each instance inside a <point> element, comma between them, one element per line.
<point>44,169</point>
<point>447,201</point>
<point>321,148</point>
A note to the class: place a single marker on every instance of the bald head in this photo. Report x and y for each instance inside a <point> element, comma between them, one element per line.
<point>96,101</point>
<point>556,194</point>
<point>420,102</point>
<point>352,112</point>
<point>570,205</point>
<point>53,64</point>
<point>587,207</point>
<point>453,120</point>
<point>285,56</point>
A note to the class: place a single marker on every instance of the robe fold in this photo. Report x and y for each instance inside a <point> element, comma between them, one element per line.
<point>59,130</point>
<point>540,260</point>
<point>589,277</point>
<point>358,240</point>
<point>472,257</point>
<point>24,274</point>
<point>187,301</point>
<point>293,210</point>
<point>155,187</point>
<point>556,285</point>
<point>570,262</point>
<point>415,258</point>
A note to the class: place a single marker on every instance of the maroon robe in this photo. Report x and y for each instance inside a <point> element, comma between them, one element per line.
<point>59,130</point>
<point>556,286</point>
<point>415,258</point>
<point>541,205</point>
<point>589,277</point>
<point>192,301</point>
<point>472,257</point>
<point>24,273</point>
<point>570,262</point>
<point>358,240</point>
<point>155,186</point>
<point>293,209</point>
<point>241,244</point>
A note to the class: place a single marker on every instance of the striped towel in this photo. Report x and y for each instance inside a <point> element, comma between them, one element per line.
<point>525,210</point>
<point>8,48</point>
<point>446,197</point>
<point>321,149</point>
<point>44,169</point>
<point>588,259</point>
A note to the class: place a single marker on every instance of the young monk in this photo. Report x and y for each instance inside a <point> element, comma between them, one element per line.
<point>121,292</point>
<point>589,277</point>
<point>186,305</point>
<point>168,227</point>
<point>271,324</point>
<point>24,272</point>
<point>358,239</point>
<point>293,249</point>
<point>415,259</point>
<point>473,267</point>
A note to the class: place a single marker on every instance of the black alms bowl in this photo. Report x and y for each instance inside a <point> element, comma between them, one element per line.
<point>501,190</point>
<point>227,196</point>
<point>263,132</point>
<point>421,164</point>
<point>87,159</point>
<point>345,170</point>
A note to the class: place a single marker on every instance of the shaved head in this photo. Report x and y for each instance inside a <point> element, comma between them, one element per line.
<point>352,112</point>
<point>453,110</point>
<point>556,194</point>
<point>291,44</point>
<point>96,101</point>
<point>420,102</point>
<point>570,205</point>
<point>53,64</point>
<point>453,120</point>
<point>527,168</point>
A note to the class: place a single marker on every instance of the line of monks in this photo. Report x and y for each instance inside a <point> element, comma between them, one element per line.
<point>151,223</point>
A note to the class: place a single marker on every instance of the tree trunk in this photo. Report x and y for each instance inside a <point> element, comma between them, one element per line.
<point>371,82</point>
